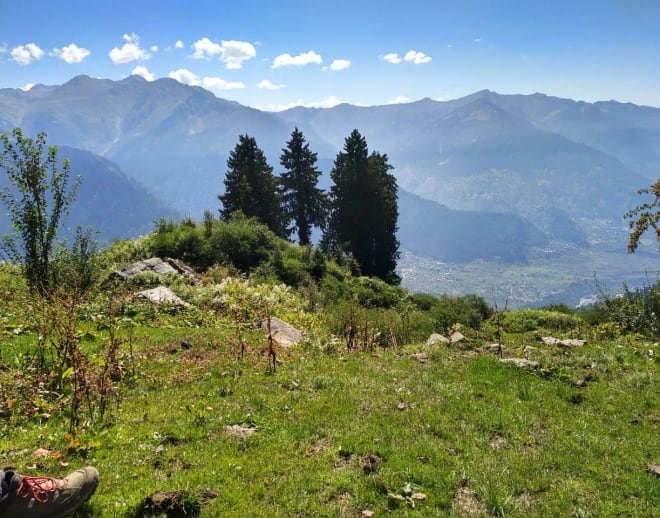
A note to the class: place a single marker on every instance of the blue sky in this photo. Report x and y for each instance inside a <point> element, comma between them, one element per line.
<point>275,54</point>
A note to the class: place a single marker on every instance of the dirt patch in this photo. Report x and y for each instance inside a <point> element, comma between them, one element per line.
<point>240,431</point>
<point>370,462</point>
<point>176,504</point>
<point>468,503</point>
<point>319,447</point>
<point>497,442</point>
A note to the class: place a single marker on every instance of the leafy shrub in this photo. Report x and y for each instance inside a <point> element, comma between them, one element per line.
<point>243,242</point>
<point>634,310</point>
<point>468,310</point>
<point>525,320</point>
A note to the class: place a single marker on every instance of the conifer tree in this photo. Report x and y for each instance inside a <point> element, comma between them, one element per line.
<point>364,210</point>
<point>303,203</point>
<point>251,187</point>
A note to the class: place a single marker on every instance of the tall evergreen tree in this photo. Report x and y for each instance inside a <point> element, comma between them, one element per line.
<point>303,203</point>
<point>364,209</point>
<point>251,187</point>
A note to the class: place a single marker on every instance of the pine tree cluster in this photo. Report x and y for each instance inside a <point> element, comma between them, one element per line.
<point>358,216</point>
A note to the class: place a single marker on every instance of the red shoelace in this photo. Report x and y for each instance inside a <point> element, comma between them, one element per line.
<point>39,488</point>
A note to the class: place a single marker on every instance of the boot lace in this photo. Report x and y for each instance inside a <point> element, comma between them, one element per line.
<point>39,488</point>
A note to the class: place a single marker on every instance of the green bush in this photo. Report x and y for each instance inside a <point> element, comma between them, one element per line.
<point>634,310</point>
<point>525,320</point>
<point>468,310</point>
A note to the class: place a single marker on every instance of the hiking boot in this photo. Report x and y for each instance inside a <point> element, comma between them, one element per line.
<point>45,497</point>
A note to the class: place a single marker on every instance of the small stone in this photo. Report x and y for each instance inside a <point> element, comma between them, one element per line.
<point>521,362</point>
<point>654,468</point>
<point>457,337</point>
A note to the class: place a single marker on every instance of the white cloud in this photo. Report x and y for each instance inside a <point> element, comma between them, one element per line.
<point>266,84</point>
<point>185,76</point>
<point>340,64</point>
<point>143,72</point>
<point>153,48</point>
<point>130,51</point>
<point>210,83</point>
<point>399,99</point>
<point>27,87</point>
<point>178,44</point>
<point>417,58</point>
<point>26,54</point>
<point>306,58</point>
<point>235,52</point>
<point>477,40</point>
<point>71,53</point>
<point>392,57</point>
<point>3,48</point>
<point>206,49</point>
<point>215,83</point>
<point>231,52</point>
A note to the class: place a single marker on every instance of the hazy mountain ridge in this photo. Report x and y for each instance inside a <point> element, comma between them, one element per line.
<point>567,170</point>
<point>109,201</point>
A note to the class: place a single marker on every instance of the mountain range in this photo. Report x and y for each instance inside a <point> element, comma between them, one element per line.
<point>524,181</point>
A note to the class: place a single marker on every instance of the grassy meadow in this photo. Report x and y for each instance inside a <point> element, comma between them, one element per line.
<point>183,414</point>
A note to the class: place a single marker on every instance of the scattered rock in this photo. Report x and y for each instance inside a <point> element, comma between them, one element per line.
<point>420,357</point>
<point>402,406</point>
<point>162,295</point>
<point>572,342</point>
<point>457,337</point>
<point>436,338</point>
<point>166,266</point>
<point>284,334</point>
<point>521,362</point>
<point>567,342</point>
<point>367,514</point>
<point>654,468</point>
<point>490,348</point>
<point>549,340</point>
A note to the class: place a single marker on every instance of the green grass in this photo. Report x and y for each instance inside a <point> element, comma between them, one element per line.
<point>339,434</point>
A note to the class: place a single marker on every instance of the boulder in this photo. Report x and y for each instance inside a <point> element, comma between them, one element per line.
<point>165,266</point>
<point>521,362</point>
<point>162,295</point>
<point>436,338</point>
<point>457,337</point>
<point>567,342</point>
<point>284,334</point>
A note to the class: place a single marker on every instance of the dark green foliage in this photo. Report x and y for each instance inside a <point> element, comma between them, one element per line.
<point>251,187</point>
<point>40,198</point>
<point>304,204</point>
<point>645,217</point>
<point>242,242</point>
<point>468,310</point>
<point>526,320</point>
<point>76,269</point>
<point>179,241</point>
<point>634,311</point>
<point>364,214</point>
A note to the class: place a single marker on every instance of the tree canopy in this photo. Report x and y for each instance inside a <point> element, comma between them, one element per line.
<point>251,187</point>
<point>364,213</point>
<point>303,202</point>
